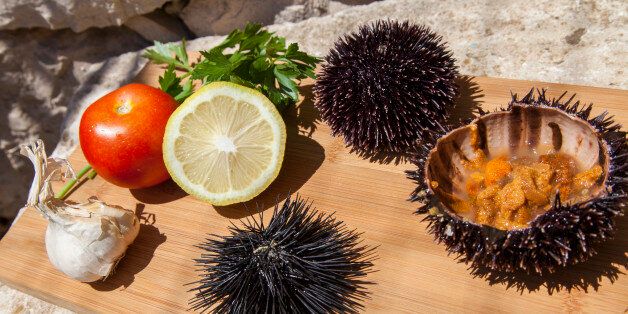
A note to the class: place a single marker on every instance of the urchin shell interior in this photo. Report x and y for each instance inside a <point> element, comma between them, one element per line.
<point>515,132</point>
<point>381,86</point>
<point>302,261</point>
<point>569,231</point>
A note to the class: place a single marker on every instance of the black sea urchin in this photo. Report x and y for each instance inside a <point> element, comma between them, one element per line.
<point>567,232</point>
<point>303,261</point>
<point>382,86</point>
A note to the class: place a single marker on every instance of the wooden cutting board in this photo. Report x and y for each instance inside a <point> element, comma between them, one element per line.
<point>414,274</point>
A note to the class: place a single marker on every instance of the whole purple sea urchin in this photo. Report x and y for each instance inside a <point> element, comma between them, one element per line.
<point>382,86</point>
<point>303,261</point>
<point>562,236</point>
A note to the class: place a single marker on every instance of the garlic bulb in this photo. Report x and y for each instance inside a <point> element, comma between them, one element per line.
<point>84,241</point>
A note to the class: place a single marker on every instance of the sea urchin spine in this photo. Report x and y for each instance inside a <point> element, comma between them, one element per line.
<point>303,261</point>
<point>383,86</point>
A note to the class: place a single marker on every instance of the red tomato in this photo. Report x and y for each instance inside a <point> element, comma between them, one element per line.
<point>121,135</point>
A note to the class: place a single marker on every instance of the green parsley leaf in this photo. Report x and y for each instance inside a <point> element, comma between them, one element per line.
<point>169,82</point>
<point>256,58</point>
<point>186,91</point>
<point>214,67</point>
<point>169,54</point>
<point>287,84</point>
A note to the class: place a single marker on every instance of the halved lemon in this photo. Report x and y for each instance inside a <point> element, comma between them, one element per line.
<point>225,143</point>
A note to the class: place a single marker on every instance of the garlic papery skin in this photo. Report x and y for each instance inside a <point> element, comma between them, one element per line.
<point>84,241</point>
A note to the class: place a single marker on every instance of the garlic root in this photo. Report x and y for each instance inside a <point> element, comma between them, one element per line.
<point>84,241</point>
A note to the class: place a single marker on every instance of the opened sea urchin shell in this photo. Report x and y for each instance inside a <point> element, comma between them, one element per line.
<point>565,232</point>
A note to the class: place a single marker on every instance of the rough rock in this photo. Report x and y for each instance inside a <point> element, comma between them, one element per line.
<point>158,25</point>
<point>13,301</point>
<point>175,7</point>
<point>46,79</point>
<point>302,10</point>
<point>75,14</point>
<point>524,40</point>
<point>337,6</point>
<point>219,17</point>
<point>355,2</point>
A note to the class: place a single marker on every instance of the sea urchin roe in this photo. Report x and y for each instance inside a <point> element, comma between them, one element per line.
<point>507,194</point>
<point>497,169</point>
<point>534,182</point>
<point>483,204</point>
<point>474,183</point>
<point>564,170</point>
<point>586,179</point>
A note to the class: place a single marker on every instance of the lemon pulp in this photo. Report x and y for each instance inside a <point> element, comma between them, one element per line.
<point>225,143</point>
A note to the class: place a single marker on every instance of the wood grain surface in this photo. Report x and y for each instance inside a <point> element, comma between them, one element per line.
<point>414,274</point>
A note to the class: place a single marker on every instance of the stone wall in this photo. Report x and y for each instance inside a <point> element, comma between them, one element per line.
<point>75,14</point>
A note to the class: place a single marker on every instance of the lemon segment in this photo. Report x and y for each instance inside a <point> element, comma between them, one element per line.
<point>225,143</point>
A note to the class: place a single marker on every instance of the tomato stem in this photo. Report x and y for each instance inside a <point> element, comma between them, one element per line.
<point>68,186</point>
<point>92,174</point>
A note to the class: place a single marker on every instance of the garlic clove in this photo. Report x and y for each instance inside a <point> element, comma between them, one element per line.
<point>70,258</point>
<point>84,241</point>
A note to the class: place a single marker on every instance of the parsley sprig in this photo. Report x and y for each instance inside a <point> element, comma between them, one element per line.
<point>258,59</point>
